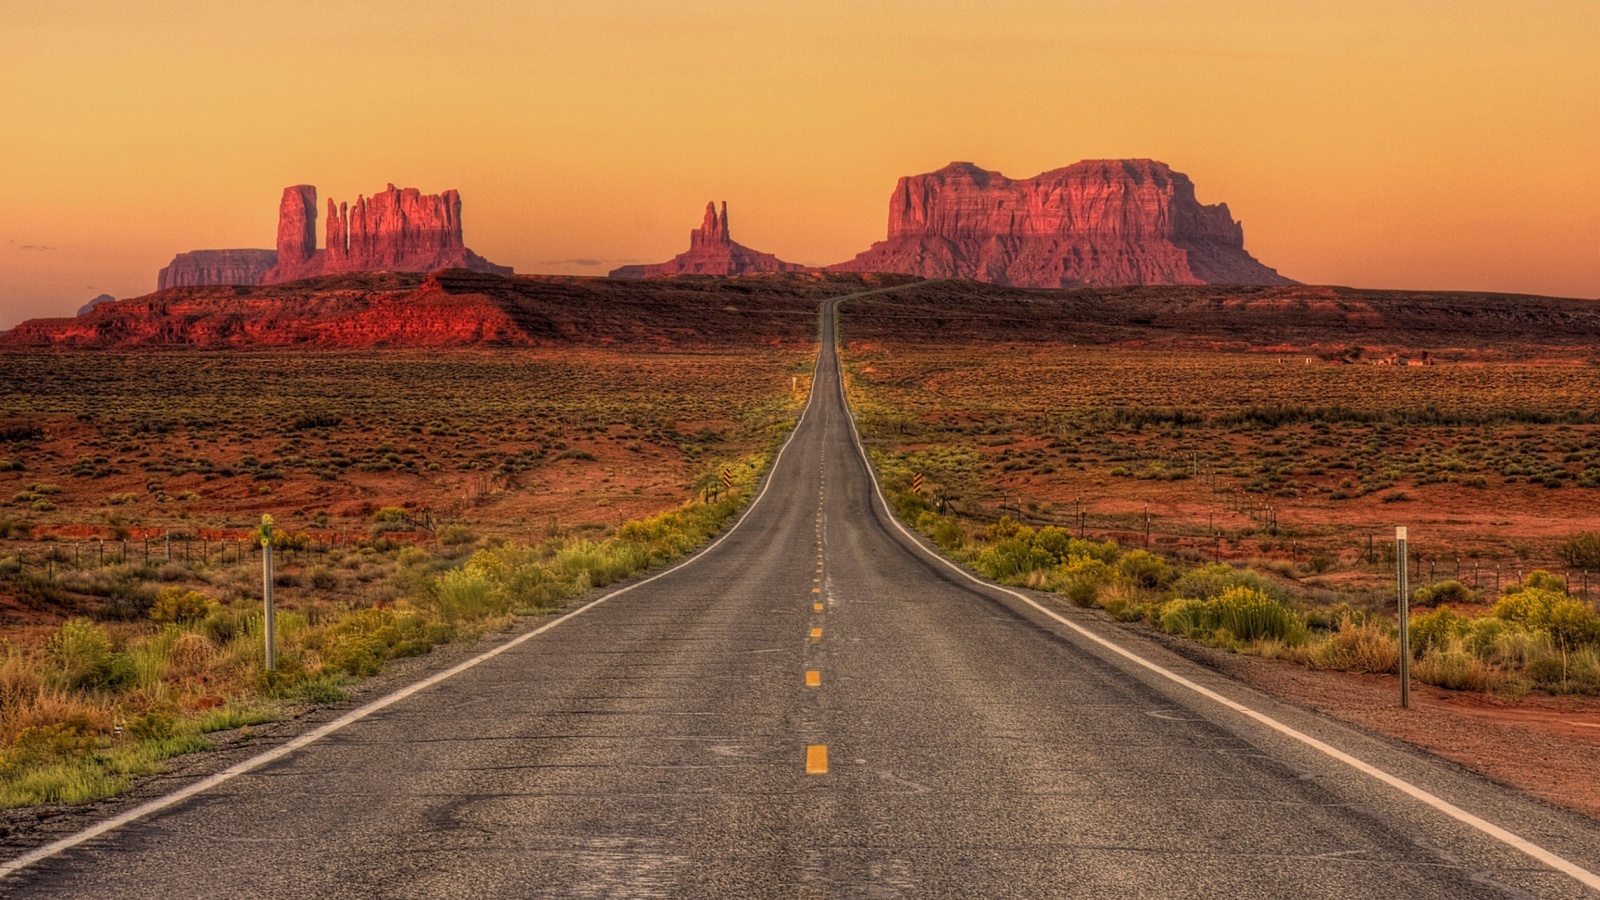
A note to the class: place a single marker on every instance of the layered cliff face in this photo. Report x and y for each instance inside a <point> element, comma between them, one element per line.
<point>395,231</point>
<point>712,251</point>
<point>202,267</point>
<point>1095,223</point>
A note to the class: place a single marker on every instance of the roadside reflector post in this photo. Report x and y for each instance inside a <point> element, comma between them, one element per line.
<point>266,589</point>
<point>1405,618</point>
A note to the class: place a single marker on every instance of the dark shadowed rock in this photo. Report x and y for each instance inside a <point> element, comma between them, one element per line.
<point>101,300</point>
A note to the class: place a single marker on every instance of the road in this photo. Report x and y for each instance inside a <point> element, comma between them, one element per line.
<point>816,707</point>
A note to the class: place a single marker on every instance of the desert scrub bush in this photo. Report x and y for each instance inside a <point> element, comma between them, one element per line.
<point>455,535</point>
<point>1447,591</point>
<point>1453,666</point>
<point>1439,628</point>
<point>176,604</point>
<point>1144,569</point>
<point>83,660</point>
<point>363,641</point>
<point>1211,581</point>
<point>1012,559</point>
<point>1530,604</point>
<point>945,531</point>
<point>469,593</point>
<point>1358,645</point>
<point>1581,550</point>
<point>1081,579</point>
<point>322,578</point>
<point>391,518</point>
<point>1240,615</point>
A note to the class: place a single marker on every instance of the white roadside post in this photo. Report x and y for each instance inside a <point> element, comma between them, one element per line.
<point>266,588</point>
<point>1405,619</point>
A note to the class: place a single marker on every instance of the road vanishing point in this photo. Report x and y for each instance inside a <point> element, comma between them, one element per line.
<point>818,705</point>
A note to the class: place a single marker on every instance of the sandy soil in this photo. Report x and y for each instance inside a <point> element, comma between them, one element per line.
<point>1547,746</point>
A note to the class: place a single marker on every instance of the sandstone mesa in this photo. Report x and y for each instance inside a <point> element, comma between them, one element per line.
<point>1096,223</point>
<point>202,267</point>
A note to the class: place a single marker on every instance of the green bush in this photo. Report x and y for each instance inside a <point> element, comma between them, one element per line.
<point>1013,558</point>
<point>1081,578</point>
<point>1581,550</point>
<point>945,531</point>
<point>175,604</point>
<point>455,535</point>
<point>1358,645</point>
<point>391,518</point>
<point>1241,614</point>
<point>469,593</point>
<point>363,641</point>
<point>1213,580</point>
<point>1249,615</point>
<point>1573,623</point>
<point>1529,607</point>
<point>1186,617</point>
<point>82,655</point>
<point>1438,628</point>
<point>1455,668</point>
<point>1447,591</point>
<point>1144,569</point>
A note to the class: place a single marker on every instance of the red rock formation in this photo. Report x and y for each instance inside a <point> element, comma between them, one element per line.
<point>395,231</point>
<point>712,252</point>
<point>297,234</point>
<point>448,308</point>
<point>1098,222</point>
<point>202,267</point>
<point>99,301</point>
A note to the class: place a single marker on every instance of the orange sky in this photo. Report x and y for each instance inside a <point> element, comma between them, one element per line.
<point>1379,144</point>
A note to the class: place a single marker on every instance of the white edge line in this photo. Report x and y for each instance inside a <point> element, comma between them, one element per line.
<point>1559,863</point>
<point>151,807</point>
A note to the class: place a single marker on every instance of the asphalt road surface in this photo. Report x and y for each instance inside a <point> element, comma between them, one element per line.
<point>815,707</point>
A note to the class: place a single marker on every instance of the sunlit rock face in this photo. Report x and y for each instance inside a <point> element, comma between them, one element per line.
<point>1095,223</point>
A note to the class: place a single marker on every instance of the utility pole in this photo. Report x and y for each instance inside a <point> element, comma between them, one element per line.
<point>1405,623</point>
<point>266,589</point>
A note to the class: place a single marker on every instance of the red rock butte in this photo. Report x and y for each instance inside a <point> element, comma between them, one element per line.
<point>1096,223</point>
<point>712,251</point>
<point>397,230</point>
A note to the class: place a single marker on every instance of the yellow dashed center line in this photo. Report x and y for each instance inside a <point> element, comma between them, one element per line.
<point>816,607</point>
<point>816,590</point>
<point>817,759</point>
<point>813,678</point>
<point>816,634</point>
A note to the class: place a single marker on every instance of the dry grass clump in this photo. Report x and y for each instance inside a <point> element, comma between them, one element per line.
<point>1359,645</point>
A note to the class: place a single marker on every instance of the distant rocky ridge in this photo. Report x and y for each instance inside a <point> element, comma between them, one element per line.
<point>398,230</point>
<point>1095,223</point>
<point>451,308</point>
<point>101,300</point>
<point>458,308</point>
<point>712,251</point>
<point>202,267</point>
